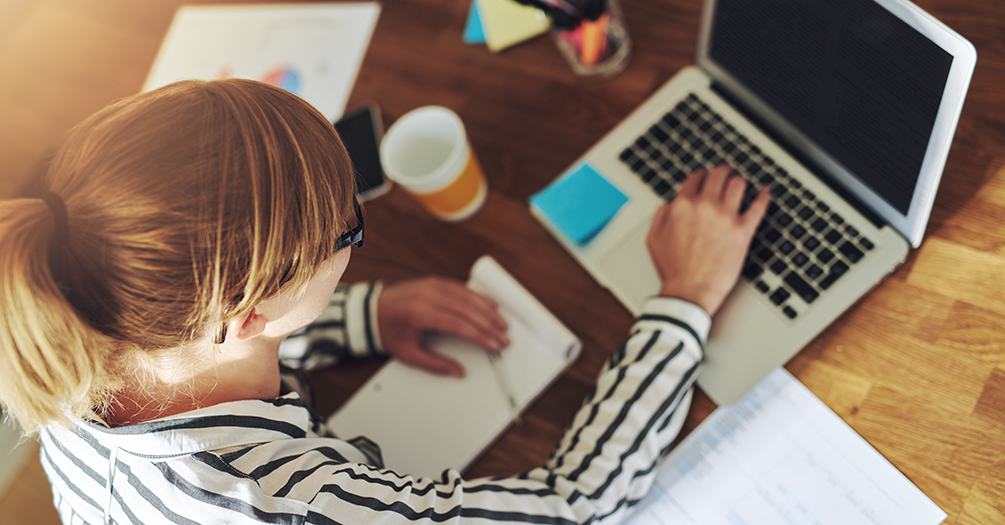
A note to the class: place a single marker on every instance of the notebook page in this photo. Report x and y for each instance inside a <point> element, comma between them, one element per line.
<point>515,302</point>
<point>425,423</point>
<point>780,456</point>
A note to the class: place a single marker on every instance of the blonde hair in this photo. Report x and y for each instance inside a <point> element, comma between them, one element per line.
<point>186,206</point>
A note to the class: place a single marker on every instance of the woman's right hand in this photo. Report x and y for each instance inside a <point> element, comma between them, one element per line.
<point>698,240</point>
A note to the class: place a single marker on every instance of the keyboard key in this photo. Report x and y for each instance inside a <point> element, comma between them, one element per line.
<point>809,194</point>
<point>833,236</point>
<point>752,271</point>
<point>668,165</point>
<point>789,312</point>
<point>778,191</point>
<point>839,268</point>
<point>814,271</point>
<point>829,280</point>
<point>851,252</point>
<point>671,121</point>
<point>638,165</point>
<point>642,143</point>
<point>742,157</point>
<point>772,235</point>
<point>797,232</point>
<point>800,259</point>
<point>778,267</point>
<point>659,133</point>
<point>762,287</point>
<point>786,247</point>
<point>805,213</point>
<point>866,243</point>
<point>823,207</point>
<point>850,230</point>
<point>784,219</point>
<point>802,288</point>
<point>627,154</point>
<point>825,256</point>
<point>662,188</point>
<point>811,243</point>
<point>792,201</point>
<point>837,219</point>
<point>819,225</point>
<point>765,254</point>
<point>780,295</point>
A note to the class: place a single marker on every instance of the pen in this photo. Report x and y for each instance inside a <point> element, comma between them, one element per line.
<point>504,383</point>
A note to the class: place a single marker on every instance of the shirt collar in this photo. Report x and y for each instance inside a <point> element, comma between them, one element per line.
<point>236,423</point>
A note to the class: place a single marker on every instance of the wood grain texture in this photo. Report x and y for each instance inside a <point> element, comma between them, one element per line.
<point>917,367</point>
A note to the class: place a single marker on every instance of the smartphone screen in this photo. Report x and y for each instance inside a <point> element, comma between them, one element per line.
<point>360,131</point>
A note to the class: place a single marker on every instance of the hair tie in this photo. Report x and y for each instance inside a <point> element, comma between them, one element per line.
<point>58,209</point>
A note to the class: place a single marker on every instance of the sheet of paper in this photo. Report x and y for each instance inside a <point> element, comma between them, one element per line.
<point>780,456</point>
<point>313,50</point>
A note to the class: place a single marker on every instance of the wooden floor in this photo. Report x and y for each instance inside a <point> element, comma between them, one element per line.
<point>917,368</point>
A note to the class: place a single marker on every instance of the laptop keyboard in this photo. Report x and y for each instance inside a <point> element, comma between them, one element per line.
<point>801,248</point>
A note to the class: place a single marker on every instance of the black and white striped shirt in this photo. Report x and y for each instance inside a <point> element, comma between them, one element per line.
<point>271,461</point>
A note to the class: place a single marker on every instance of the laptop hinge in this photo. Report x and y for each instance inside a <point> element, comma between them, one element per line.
<point>814,167</point>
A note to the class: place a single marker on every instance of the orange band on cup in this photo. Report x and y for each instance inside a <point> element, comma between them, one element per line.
<point>457,195</point>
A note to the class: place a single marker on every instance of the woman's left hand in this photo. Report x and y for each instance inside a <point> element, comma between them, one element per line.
<point>409,309</point>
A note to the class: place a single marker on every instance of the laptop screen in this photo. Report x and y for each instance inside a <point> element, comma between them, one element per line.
<point>850,76</point>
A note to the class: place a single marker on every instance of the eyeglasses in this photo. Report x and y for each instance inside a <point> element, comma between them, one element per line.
<point>353,237</point>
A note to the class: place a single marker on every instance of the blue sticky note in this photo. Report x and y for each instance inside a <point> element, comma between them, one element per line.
<point>580,203</point>
<point>473,32</point>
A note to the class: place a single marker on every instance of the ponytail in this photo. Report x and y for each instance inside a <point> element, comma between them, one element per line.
<point>52,364</point>
<point>187,206</point>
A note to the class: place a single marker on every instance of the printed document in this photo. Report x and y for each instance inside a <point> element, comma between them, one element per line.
<point>780,456</point>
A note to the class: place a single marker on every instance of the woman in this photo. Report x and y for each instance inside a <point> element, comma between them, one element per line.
<point>185,232</point>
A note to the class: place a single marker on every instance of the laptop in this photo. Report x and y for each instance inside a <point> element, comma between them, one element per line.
<point>845,108</point>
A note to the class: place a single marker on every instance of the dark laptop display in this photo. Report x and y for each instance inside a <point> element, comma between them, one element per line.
<point>850,76</point>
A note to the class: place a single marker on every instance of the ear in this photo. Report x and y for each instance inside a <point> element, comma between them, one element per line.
<point>249,326</point>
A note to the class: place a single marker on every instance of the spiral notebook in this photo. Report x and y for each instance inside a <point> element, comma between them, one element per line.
<point>424,423</point>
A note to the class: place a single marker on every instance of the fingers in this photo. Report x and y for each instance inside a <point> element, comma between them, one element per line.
<point>692,185</point>
<point>450,322</point>
<point>715,181</point>
<point>471,313</point>
<point>755,213</point>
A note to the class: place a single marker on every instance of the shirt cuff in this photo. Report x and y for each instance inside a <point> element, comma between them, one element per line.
<point>685,315</point>
<point>361,319</point>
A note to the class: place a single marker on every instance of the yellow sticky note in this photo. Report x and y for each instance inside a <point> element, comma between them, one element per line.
<point>507,23</point>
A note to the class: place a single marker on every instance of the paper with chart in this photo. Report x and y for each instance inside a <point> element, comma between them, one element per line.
<point>313,50</point>
<point>780,456</point>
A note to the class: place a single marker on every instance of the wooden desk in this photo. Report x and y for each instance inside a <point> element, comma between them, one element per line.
<point>917,368</point>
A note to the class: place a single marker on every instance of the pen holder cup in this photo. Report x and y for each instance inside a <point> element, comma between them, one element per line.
<point>596,48</point>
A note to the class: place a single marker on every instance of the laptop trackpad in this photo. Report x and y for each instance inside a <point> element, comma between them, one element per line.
<point>628,271</point>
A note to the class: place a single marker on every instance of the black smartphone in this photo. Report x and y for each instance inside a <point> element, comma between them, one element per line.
<point>361,130</point>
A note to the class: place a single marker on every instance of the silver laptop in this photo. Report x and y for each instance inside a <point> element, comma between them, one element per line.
<point>844,108</point>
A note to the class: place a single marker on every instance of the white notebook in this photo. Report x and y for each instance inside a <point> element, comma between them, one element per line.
<point>425,423</point>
